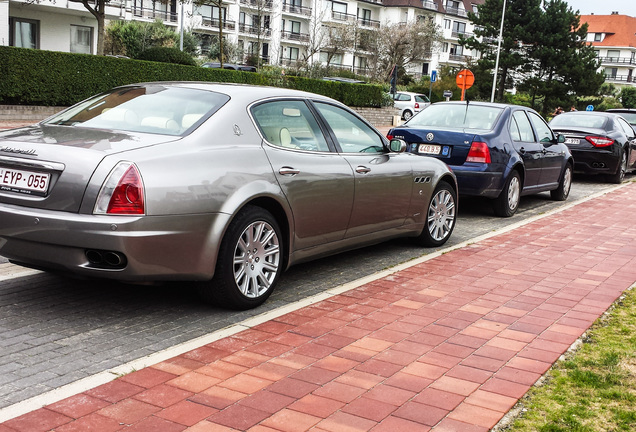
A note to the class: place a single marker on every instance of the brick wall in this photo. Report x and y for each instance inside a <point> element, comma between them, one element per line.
<point>379,116</point>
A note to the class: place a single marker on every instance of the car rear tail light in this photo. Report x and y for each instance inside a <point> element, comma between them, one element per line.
<point>417,105</point>
<point>389,137</point>
<point>598,141</point>
<point>478,152</point>
<point>122,193</point>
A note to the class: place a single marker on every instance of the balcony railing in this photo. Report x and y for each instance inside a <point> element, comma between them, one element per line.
<point>620,78</point>
<point>214,22</point>
<point>456,11</point>
<point>155,14</point>
<point>368,23</point>
<point>255,30</point>
<point>429,5</point>
<point>258,4</point>
<point>458,58</point>
<point>341,16</point>
<point>291,36</point>
<point>300,10</point>
<point>288,62</point>
<point>618,60</point>
<point>457,34</point>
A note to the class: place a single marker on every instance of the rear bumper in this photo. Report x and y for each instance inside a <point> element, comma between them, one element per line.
<point>179,247</point>
<point>474,180</point>
<point>595,161</point>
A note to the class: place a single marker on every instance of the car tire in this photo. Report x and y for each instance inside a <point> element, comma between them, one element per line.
<point>562,192</point>
<point>441,216</point>
<point>406,115</point>
<point>249,263</point>
<point>622,169</point>
<point>507,203</point>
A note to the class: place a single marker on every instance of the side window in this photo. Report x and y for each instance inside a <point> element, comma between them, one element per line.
<point>514,130</point>
<point>542,128</point>
<point>626,128</point>
<point>289,124</point>
<point>525,133</point>
<point>353,135</point>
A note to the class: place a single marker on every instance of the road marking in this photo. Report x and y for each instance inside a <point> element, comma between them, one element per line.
<point>104,377</point>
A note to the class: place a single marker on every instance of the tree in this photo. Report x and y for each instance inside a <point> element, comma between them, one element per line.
<point>219,5</point>
<point>131,38</point>
<point>338,39</point>
<point>400,44</point>
<point>516,31</point>
<point>561,63</point>
<point>628,97</point>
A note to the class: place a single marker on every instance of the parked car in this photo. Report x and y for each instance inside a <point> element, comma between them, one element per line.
<point>217,65</point>
<point>496,151</point>
<point>601,142</point>
<point>409,103</point>
<point>225,185</point>
<point>628,114</point>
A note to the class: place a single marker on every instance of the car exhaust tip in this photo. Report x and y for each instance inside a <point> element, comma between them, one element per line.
<point>105,259</point>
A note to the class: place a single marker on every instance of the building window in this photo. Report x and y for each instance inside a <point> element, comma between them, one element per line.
<point>295,27</point>
<point>598,37</point>
<point>25,33</point>
<point>447,24</point>
<point>81,39</point>
<point>445,47</point>
<point>459,27</point>
<point>611,73</point>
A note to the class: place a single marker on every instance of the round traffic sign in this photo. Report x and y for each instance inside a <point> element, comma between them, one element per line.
<point>465,79</point>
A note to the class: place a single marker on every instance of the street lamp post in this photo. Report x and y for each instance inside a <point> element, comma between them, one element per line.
<point>494,79</point>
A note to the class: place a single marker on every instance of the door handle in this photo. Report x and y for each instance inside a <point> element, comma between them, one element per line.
<point>288,171</point>
<point>362,169</point>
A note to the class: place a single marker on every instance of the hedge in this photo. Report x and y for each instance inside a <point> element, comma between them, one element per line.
<point>37,77</point>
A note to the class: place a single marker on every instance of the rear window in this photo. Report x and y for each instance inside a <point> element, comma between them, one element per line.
<point>579,121</point>
<point>630,117</point>
<point>153,109</point>
<point>457,116</point>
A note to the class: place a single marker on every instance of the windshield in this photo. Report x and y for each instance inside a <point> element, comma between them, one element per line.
<point>151,109</point>
<point>457,116</point>
<point>579,121</point>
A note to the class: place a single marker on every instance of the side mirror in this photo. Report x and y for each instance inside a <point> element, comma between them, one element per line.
<point>560,138</point>
<point>398,145</point>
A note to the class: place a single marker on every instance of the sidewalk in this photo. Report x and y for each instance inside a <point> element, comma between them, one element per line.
<point>449,344</point>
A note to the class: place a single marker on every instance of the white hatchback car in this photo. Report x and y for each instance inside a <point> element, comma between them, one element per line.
<point>410,103</point>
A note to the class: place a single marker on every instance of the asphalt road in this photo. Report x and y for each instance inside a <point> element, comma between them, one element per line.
<point>54,330</point>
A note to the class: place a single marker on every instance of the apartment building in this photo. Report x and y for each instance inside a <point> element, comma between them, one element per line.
<point>280,32</point>
<point>614,39</point>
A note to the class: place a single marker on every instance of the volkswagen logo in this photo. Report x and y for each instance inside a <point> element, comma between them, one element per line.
<point>430,136</point>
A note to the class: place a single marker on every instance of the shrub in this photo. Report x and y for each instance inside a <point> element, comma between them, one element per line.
<point>36,77</point>
<point>167,55</point>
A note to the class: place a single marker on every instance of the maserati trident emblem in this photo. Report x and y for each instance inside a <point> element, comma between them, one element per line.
<point>430,136</point>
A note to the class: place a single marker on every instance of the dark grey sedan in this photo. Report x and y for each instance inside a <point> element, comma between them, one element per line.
<point>223,185</point>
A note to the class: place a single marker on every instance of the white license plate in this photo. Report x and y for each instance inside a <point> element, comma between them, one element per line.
<point>22,181</point>
<point>572,141</point>
<point>429,149</point>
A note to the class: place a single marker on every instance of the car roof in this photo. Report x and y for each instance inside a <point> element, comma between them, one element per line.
<point>597,113</point>
<point>489,104</point>
<point>246,92</point>
<point>620,110</point>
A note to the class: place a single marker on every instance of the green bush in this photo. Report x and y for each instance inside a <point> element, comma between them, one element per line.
<point>36,77</point>
<point>167,55</point>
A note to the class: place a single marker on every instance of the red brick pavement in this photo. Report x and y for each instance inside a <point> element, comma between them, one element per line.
<point>449,344</point>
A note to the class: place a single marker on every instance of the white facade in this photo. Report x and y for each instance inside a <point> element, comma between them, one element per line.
<point>287,26</point>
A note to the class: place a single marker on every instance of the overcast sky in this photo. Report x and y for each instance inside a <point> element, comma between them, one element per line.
<point>604,7</point>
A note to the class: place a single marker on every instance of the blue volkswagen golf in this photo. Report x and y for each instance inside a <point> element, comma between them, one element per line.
<point>496,151</point>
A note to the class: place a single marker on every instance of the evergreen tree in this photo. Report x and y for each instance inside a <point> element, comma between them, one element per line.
<point>516,32</point>
<point>561,63</point>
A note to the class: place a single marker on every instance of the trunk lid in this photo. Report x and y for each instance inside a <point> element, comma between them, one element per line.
<point>49,167</point>
<point>450,146</point>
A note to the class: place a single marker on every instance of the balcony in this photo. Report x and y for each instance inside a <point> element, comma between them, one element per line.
<point>369,23</point>
<point>296,37</point>
<point>164,16</point>
<point>458,58</point>
<point>258,4</point>
<point>618,60</point>
<point>254,30</point>
<point>214,22</point>
<point>456,11</point>
<point>288,62</point>
<point>297,10</point>
<point>457,34</point>
<point>426,4</point>
<point>620,78</point>
<point>341,16</point>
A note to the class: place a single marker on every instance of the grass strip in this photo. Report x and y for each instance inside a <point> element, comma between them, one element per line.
<point>594,387</point>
